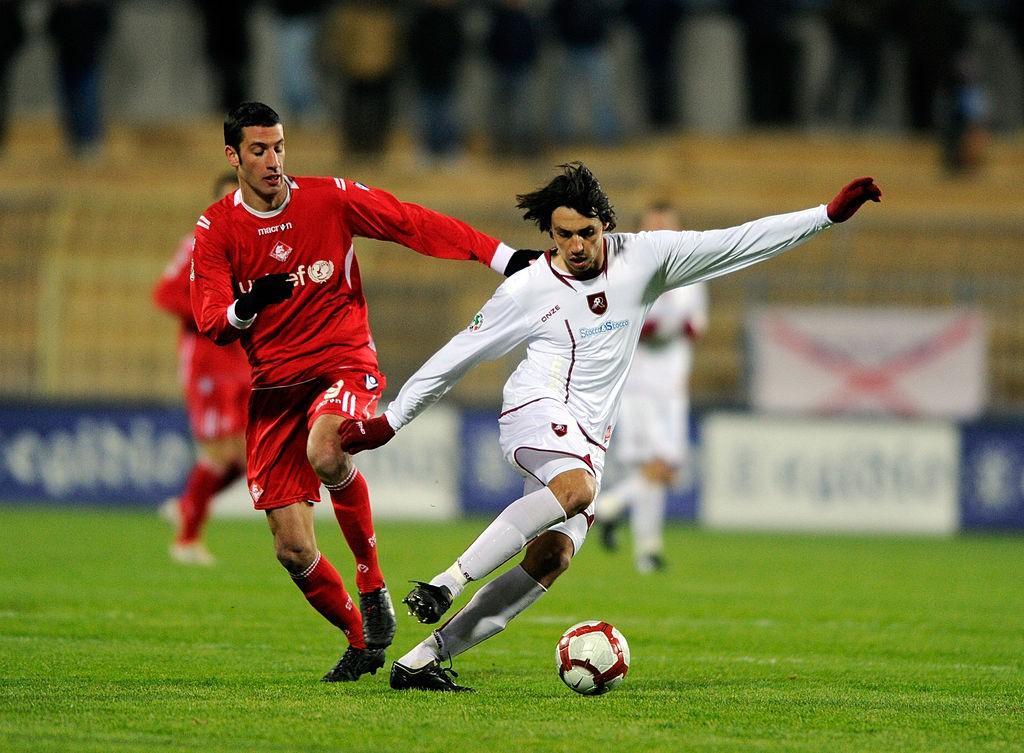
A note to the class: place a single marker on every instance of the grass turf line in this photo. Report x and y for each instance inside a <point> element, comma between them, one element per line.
<point>748,642</point>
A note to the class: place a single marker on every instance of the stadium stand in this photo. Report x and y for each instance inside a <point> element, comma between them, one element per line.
<point>81,245</point>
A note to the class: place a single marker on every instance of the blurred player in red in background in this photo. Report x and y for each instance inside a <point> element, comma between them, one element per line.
<point>653,426</point>
<point>275,267</point>
<point>216,385</point>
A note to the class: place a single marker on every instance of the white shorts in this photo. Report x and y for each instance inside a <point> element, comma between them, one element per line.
<point>541,440</point>
<point>650,428</point>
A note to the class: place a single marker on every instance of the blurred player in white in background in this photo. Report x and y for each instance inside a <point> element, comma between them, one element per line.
<point>215,381</point>
<point>652,432</point>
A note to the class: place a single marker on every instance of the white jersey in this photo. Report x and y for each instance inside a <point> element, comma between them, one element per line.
<point>581,334</point>
<point>662,363</point>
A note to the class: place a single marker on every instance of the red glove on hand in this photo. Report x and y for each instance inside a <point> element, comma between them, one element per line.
<point>849,200</point>
<point>368,434</point>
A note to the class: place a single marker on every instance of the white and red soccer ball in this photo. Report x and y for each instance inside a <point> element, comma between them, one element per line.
<point>592,657</point>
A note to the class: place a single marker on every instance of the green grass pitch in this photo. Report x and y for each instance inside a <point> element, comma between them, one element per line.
<point>749,642</point>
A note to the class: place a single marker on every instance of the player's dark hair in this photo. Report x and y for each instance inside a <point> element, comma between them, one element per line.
<point>245,115</point>
<point>576,188</point>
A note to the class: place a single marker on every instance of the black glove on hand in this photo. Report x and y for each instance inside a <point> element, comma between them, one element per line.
<point>521,259</point>
<point>265,291</point>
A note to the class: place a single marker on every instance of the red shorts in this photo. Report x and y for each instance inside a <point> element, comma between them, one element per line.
<point>216,406</point>
<point>279,422</point>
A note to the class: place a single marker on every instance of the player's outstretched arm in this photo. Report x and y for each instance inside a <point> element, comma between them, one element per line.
<point>266,291</point>
<point>498,328</point>
<point>694,256</point>
<point>851,198</point>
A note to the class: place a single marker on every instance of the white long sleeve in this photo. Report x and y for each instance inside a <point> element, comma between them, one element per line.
<point>498,328</point>
<point>692,256</point>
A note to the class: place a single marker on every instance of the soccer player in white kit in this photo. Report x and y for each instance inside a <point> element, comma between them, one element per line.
<point>580,309</point>
<point>652,430</point>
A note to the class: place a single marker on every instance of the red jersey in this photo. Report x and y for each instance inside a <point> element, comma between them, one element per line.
<point>198,357</point>
<point>324,325</point>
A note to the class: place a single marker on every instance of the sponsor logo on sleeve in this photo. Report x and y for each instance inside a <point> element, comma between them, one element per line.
<point>372,382</point>
<point>477,323</point>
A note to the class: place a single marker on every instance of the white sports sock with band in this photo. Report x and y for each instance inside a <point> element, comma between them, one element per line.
<point>487,614</point>
<point>517,524</point>
<point>648,520</point>
<point>489,611</point>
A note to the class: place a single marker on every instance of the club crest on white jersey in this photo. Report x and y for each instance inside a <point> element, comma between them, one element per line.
<point>598,302</point>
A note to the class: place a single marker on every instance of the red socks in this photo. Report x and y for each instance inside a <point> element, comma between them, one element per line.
<point>351,501</point>
<point>202,484</point>
<point>325,591</point>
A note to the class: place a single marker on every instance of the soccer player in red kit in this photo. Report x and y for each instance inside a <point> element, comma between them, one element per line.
<point>216,386</point>
<point>275,266</point>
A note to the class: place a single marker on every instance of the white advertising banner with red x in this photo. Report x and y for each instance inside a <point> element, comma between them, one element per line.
<point>848,361</point>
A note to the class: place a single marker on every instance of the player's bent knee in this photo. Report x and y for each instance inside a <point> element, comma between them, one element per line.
<point>329,462</point>
<point>575,490</point>
<point>548,557</point>
<point>295,556</point>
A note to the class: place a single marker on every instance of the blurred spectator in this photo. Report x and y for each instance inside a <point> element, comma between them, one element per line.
<point>361,45</point>
<point>12,36</point>
<point>966,133</point>
<point>934,33</point>
<point>1015,23</point>
<point>512,49</point>
<point>228,48</point>
<point>772,56</point>
<point>857,28</point>
<point>297,25</point>
<point>437,48</point>
<point>657,23</point>
<point>583,28</point>
<point>80,29</point>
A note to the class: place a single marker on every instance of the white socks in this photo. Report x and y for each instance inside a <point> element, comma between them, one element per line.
<point>517,524</point>
<point>648,520</point>
<point>487,614</point>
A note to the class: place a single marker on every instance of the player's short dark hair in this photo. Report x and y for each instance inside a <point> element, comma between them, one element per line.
<point>244,115</point>
<point>576,188</point>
